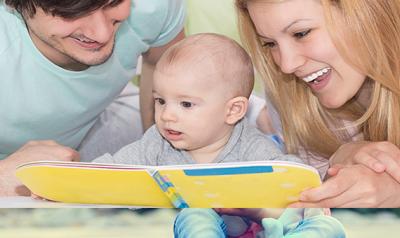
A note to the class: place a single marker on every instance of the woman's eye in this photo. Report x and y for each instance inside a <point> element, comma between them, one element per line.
<point>301,34</point>
<point>159,101</point>
<point>187,104</point>
<point>268,44</point>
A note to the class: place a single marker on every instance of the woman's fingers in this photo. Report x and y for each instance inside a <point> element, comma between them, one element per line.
<point>333,187</point>
<point>371,162</point>
<point>354,186</point>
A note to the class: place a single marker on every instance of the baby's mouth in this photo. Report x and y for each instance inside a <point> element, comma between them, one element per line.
<point>172,132</point>
<point>172,135</point>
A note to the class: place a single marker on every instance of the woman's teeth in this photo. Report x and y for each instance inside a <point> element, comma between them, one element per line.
<point>316,75</point>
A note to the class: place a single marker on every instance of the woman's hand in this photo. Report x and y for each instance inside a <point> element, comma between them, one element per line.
<point>30,152</point>
<point>378,156</point>
<point>353,186</point>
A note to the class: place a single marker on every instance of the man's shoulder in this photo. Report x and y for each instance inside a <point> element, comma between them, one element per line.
<point>152,20</point>
<point>8,28</point>
<point>149,7</point>
<point>147,15</point>
<point>8,17</point>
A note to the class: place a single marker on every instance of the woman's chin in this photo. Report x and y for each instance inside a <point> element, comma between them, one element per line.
<point>331,103</point>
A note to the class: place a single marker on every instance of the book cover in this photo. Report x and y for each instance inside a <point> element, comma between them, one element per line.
<point>242,184</point>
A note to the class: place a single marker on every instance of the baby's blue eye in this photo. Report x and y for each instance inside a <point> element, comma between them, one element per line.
<point>159,101</point>
<point>186,104</point>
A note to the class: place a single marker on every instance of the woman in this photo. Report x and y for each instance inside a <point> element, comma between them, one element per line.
<point>332,70</point>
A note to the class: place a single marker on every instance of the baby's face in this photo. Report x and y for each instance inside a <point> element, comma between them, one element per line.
<point>190,108</point>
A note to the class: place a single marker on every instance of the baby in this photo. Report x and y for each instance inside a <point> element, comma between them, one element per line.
<point>201,90</point>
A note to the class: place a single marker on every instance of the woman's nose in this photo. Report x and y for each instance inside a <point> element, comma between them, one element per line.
<point>290,60</point>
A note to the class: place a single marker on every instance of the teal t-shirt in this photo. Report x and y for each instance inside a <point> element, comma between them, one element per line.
<point>40,100</point>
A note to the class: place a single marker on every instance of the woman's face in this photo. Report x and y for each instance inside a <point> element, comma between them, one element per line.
<point>296,34</point>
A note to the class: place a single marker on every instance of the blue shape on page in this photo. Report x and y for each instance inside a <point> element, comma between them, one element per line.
<point>228,171</point>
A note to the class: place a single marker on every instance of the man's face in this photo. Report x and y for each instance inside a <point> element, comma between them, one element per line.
<point>76,44</point>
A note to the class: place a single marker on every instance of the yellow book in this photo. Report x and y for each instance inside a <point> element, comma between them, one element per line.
<point>226,185</point>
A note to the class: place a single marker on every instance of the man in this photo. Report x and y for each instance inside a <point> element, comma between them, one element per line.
<point>63,63</point>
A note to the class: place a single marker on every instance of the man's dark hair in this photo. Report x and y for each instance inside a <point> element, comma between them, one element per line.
<point>69,9</point>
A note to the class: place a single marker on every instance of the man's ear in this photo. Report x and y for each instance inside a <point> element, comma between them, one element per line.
<point>236,108</point>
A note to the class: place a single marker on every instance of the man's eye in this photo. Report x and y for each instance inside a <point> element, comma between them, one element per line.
<point>301,34</point>
<point>269,44</point>
<point>159,101</point>
<point>187,104</point>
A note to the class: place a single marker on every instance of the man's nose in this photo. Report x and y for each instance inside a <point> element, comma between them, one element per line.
<point>99,27</point>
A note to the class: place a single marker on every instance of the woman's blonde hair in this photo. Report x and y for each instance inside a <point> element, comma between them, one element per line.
<point>368,36</point>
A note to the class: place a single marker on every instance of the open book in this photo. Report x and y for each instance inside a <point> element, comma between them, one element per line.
<point>234,185</point>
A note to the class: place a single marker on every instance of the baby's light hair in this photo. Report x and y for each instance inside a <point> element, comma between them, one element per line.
<point>229,60</point>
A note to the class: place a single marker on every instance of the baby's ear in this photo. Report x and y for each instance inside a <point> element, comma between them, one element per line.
<point>236,109</point>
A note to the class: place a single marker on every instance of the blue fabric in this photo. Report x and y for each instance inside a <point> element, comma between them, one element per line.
<point>199,223</point>
<point>300,223</point>
<point>40,100</point>
<point>293,223</point>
